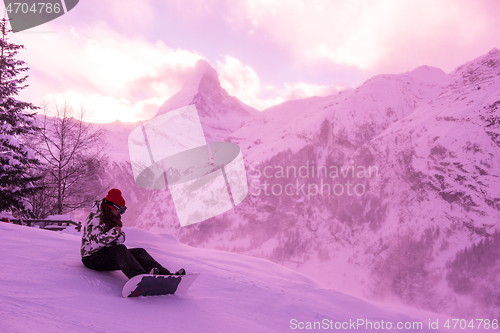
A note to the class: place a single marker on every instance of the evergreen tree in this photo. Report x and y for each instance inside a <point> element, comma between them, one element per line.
<point>16,184</point>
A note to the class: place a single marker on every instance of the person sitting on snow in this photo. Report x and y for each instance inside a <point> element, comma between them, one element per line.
<point>102,242</point>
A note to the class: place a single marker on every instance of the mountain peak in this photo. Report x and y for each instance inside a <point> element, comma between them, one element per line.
<point>220,114</point>
<point>202,71</point>
<point>494,52</point>
<point>483,68</point>
<point>429,74</point>
<point>203,68</point>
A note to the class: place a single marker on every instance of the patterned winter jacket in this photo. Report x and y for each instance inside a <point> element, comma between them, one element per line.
<point>94,238</point>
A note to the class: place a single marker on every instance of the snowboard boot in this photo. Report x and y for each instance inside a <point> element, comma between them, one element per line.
<point>154,271</point>
<point>181,271</point>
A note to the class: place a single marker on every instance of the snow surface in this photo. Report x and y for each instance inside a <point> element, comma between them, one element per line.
<point>45,288</point>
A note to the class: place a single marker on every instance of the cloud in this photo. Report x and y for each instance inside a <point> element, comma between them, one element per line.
<point>115,74</point>
<point>242,81</point>
<point>104,108</point>
<point>302,90</point>
<point>117,61</point>
<point>380,36</point>
<point>239,80</point>
<point>127,57</point>
<point>131,15</point>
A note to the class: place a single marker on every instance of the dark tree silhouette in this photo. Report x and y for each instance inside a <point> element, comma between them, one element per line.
<point>16,159</point>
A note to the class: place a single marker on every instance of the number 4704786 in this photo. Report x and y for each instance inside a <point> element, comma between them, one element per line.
<point>473,323</point>
<point>41,7</point>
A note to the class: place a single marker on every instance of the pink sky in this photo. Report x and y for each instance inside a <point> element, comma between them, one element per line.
<point>122,61</point>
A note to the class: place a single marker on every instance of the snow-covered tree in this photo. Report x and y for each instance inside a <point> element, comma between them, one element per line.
<point>16,184</point>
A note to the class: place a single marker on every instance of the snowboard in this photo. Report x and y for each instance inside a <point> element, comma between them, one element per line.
<point>154,285</point>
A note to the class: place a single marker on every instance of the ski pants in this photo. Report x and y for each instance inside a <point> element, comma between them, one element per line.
<point>131,262</point>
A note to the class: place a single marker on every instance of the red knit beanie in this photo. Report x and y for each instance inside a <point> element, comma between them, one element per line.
<point>115,196</point>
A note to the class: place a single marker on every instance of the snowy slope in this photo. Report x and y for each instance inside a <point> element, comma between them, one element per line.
<point>45,288</point>
<point>116,139</point>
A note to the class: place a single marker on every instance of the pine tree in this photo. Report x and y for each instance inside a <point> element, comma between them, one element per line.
<point>16,184</point>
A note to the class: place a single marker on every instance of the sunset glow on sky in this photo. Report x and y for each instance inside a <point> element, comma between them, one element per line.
<point>123,59</point>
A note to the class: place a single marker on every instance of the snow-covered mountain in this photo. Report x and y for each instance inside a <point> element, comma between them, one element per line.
<point>220,114</point>
<point>46,288</point>
<point>376,190</point>
<point>345,120</point>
